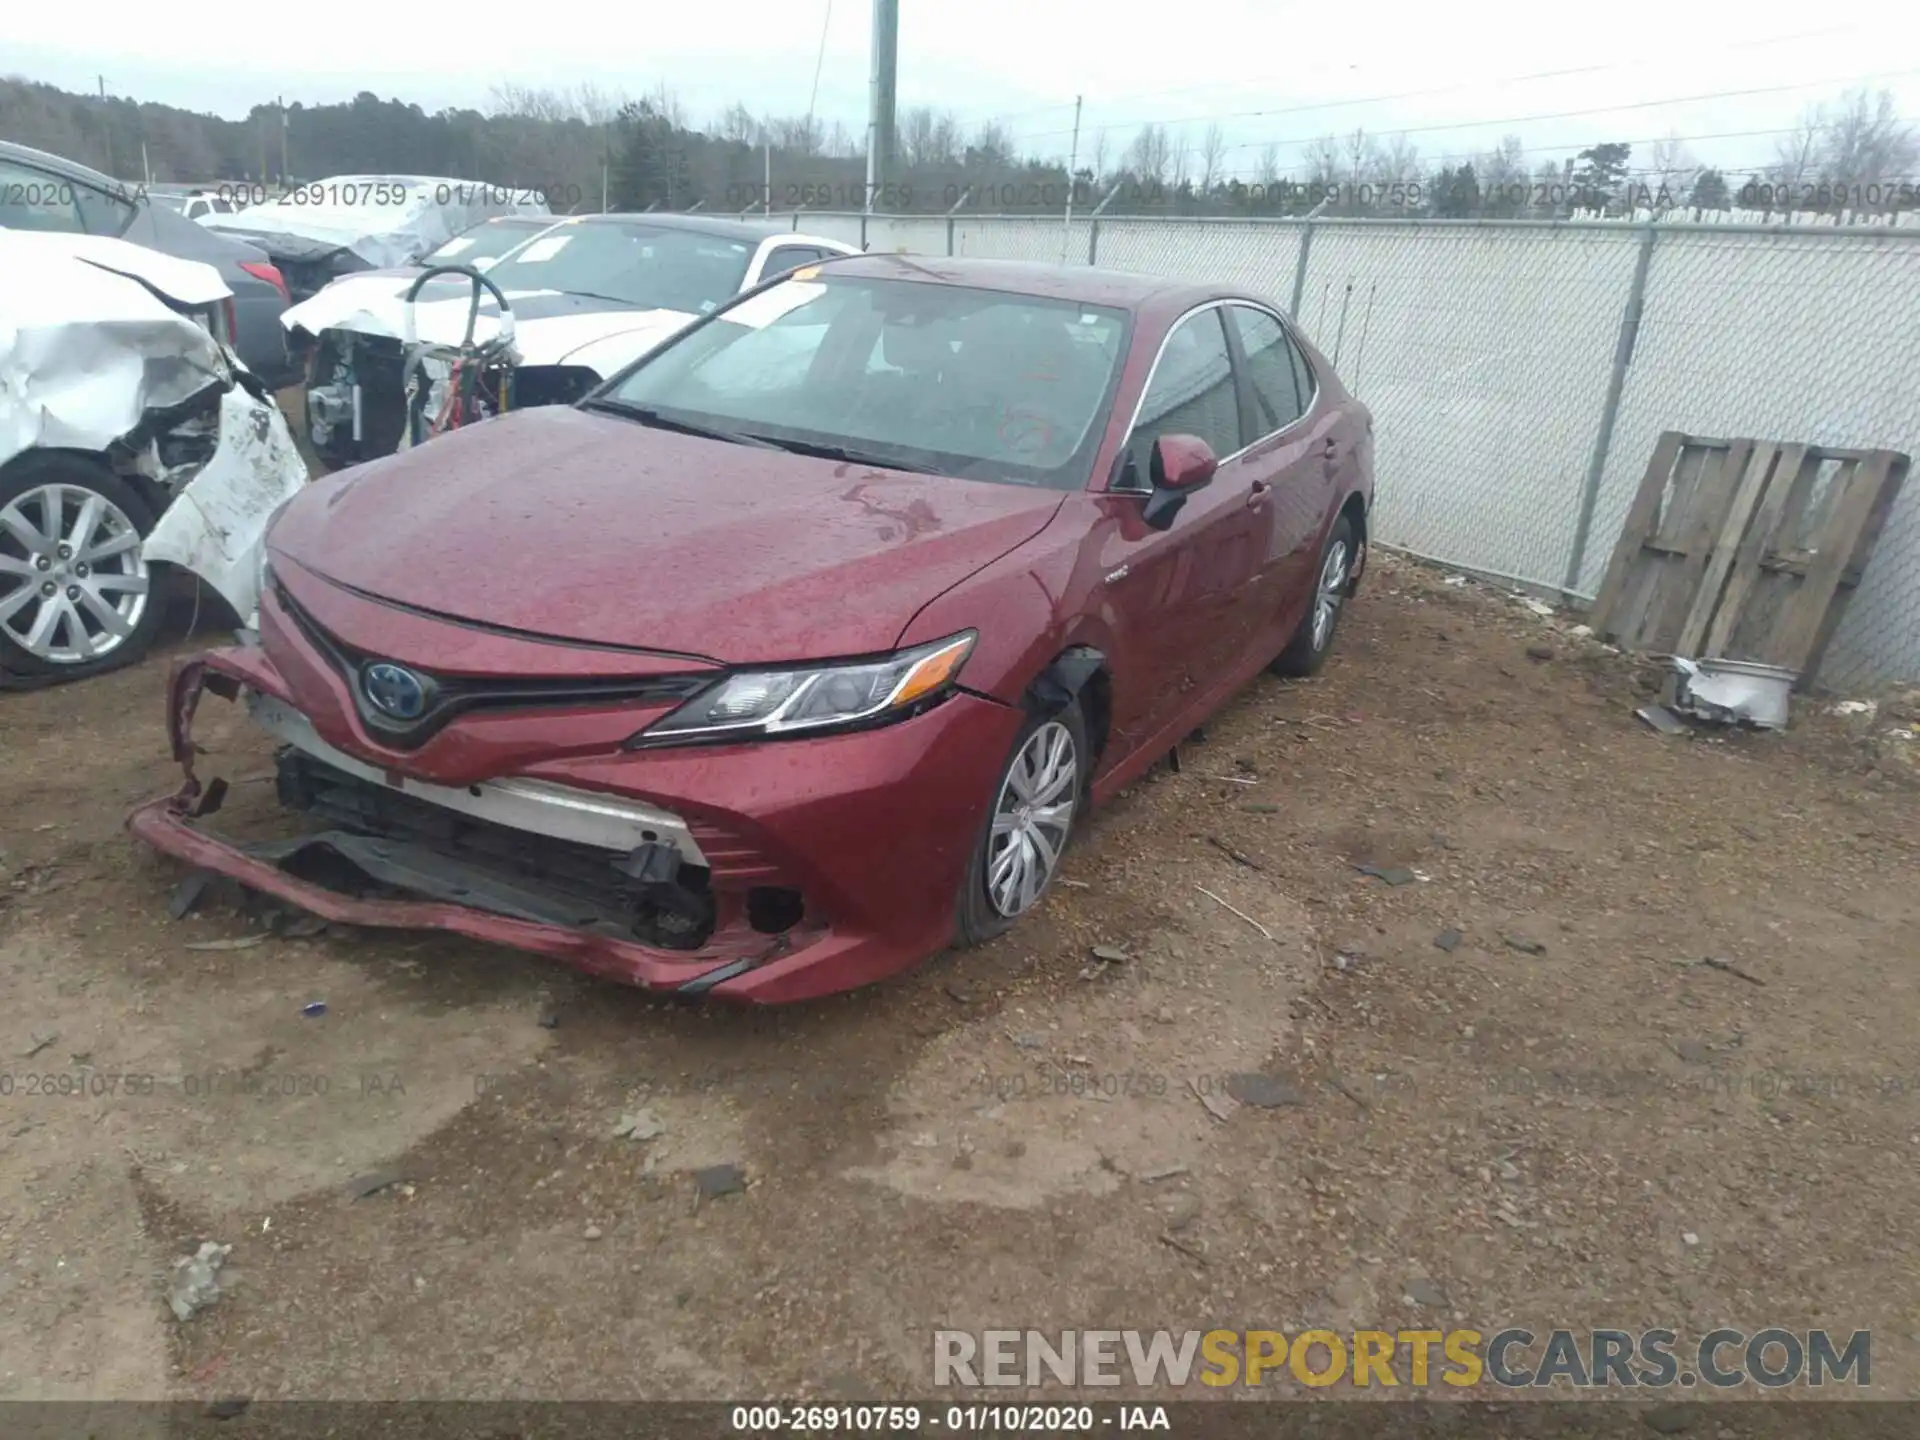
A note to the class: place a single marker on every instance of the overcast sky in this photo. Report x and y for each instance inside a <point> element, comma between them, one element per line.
<point>1480,71</point>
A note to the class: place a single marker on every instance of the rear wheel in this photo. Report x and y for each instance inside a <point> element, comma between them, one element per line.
<point>1036,804</point>
<point>76,597</point>
<point>1312,640</point>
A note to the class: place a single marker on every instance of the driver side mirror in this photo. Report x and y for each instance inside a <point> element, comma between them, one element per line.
<point>1180,464</point>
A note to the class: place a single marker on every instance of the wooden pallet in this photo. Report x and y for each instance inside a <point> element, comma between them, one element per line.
<point>1744,549</point>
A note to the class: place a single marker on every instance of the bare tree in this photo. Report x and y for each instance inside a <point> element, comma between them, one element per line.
<point>1397,161</point>
<point>1267,169</point>
<point>1866,141</point>
<point>667,105</point>
<point>1150,154</point>
<point>1097,155</point>
<point>736,125</point>
<point>992,145</point>
<point>1674,171</point>
<point>1213,148</point>
<point>798,134</point>
<point>1796,157</point>
<point>1324,161</point>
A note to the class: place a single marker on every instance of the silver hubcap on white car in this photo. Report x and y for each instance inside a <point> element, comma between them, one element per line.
<point>1333,590</point>
<point>72,583</point>
<point>1031,819</point>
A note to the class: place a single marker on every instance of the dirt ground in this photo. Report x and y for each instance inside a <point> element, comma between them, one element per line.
<point>1607,1132</point>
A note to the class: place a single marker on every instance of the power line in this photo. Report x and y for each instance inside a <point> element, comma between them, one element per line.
<point>1454,89</point>
<point>1601,109</point>
<point>818,62</point>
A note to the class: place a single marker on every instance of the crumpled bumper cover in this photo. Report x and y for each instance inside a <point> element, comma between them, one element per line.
<point>903,925</point>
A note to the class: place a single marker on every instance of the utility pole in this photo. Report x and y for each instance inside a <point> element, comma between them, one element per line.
<point>1073,159</point>
<point>885,64</point>
<point>281,101</point>
<point>106,122</point>
<point>767,147</point>
<point>146,165</point>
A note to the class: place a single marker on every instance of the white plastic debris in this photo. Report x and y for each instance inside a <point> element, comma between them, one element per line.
<point>1538,607</point>
<point>1856,707</point>
<point>1732,692</point>
<point>1456,580</point>
<point>218,521</point>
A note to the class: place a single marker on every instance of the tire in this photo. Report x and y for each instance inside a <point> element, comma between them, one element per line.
<point>101,572</point>
<point>979,915</point>
<point>1312,641</point>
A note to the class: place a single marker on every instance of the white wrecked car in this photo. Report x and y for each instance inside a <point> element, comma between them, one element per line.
<point>346,223</point>
<point>131,439</point>
<point>586,298</point>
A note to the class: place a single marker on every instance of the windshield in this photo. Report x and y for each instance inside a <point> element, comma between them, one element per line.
<point>644,265</point>
<point>980,384</point>
<point>485,243</point>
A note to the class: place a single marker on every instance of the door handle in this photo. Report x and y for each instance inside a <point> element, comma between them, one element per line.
<point>1258,493</point>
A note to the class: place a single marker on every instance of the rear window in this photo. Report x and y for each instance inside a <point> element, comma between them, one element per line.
<point>484,242</point>
<point>652,267</point>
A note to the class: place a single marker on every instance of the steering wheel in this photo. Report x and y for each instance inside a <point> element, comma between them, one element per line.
<point>409,332</point>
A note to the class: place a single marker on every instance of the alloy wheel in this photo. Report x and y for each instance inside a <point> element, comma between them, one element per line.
<point>1031,819</point>
<point>1331,592</point>
<point>73,584</point>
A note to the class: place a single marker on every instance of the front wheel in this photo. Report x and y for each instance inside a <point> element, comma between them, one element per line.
<point>1036,804</point>
<point>1312,639</point>
<point>76,596</point>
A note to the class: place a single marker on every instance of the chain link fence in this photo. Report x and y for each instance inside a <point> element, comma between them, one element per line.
<point>1519,373</point>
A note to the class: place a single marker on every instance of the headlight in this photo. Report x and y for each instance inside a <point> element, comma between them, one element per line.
<point>757,703</point>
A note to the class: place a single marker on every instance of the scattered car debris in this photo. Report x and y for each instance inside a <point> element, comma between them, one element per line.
<point>1239,857</point>
<point>1857,707</point>
<point>373,1182</point>
<point>1538,607</point>
<point>1218,1105</point>
<point>549,1017</point>
<point>38,1045</point>
<point>1074,884</point>
<point>1524,945</point>
<point>231,942</point>
<point>1455,580</point>
<point>1714,962</point>
<point>228,1407</point>
<point>1424,1293</point>
<point>313,1009</point>
<point>1539,652</point>
<point>188,893</point>
<point>1732,692</point>
<point>714,1181</point>
<point>1154,1177</point>
<point>640,1125</point>
<point>1448,940</point>
<point>196,1283</point>
<point>1266,1092</point>
<point>1110,955</point>
<point>1391,874</point>
<point>1662,719</point>
<point>592,1232</point>
<point>1192,1252</point>
<point>1027,1040</point>
<point>1241,913</point>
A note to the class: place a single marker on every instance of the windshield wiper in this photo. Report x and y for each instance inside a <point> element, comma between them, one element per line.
<point>842,452</point>
<point>653,419</point>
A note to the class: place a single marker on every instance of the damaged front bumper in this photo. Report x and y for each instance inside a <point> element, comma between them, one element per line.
<point>558,870</point>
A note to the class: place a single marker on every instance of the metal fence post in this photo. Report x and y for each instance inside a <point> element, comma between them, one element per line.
<point>1300,269</point>
<point>1093,223</point>
<point>952,210</point>
<point>1610,407</point>
<point>863,229</point>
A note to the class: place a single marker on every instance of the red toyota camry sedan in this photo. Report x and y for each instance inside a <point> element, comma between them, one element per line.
<point>796,652</point>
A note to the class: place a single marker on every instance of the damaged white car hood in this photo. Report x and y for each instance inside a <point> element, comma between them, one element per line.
<point>382,235</point>
<point>550,327</point>
<point>92,358</point>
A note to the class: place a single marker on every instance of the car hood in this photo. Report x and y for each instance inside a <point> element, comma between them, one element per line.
<point>563,523</point>
<point>549,326</point>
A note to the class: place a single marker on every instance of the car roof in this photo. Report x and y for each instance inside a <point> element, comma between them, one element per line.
<point>72,169</point>
<point>1086,284</point>
<point>697,224</point>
